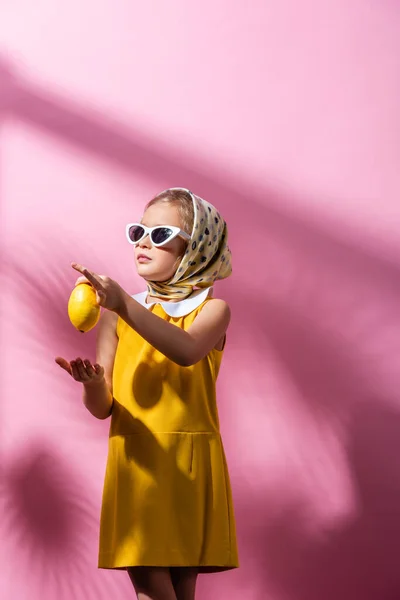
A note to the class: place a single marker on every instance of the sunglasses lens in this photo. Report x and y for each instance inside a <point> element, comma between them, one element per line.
<point>136,233</point>
<point>160,235</point>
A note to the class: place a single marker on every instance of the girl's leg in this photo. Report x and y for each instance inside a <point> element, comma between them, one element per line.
<point>184,581</point>
<point>152,583</point>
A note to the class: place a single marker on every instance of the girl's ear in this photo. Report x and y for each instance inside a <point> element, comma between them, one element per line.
<point>181,254</point>
<point>178,262</point>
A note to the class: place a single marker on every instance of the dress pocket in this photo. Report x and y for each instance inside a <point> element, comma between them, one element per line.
<point>185,454</point>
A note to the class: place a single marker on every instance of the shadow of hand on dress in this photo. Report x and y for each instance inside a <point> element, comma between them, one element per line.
<point>147,384</point>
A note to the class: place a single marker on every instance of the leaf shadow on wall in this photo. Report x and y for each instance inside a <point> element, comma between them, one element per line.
<point>330,321</point>
<point>314,306</point>
<point>48,522</point>
<point>359,557</point>
<point>128,149</point>
<point>293,538</point>
<point>36,291</point>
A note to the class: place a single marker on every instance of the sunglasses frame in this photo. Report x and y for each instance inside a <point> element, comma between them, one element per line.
<point>176,231</point>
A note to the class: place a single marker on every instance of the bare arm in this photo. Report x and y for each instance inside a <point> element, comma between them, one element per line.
<point>97,398</point>
<point>183,347</point>
<point>97,394</point>
<point>97,378</point>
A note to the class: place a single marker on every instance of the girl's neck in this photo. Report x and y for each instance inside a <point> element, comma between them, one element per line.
<point>150,299</point>
<point>156,299</point>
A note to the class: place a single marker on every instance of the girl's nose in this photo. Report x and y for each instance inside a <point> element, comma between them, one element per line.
<point>145,242</point>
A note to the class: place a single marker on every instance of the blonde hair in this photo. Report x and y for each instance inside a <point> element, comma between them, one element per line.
<point>184,203</point>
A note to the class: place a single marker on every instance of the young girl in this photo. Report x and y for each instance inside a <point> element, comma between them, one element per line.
<point>167,510</point>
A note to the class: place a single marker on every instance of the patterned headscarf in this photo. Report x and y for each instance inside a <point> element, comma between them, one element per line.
<point>207,257</point>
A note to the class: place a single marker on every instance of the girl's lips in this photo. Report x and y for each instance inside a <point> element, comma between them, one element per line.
<point>142,258</point>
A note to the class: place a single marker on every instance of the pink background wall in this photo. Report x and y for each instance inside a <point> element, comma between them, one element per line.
<point>285,115</point>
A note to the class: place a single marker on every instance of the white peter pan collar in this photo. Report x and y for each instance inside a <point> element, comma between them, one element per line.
<point>176,309</point>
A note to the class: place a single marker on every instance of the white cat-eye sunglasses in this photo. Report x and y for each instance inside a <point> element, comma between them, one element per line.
<point>159,235</point>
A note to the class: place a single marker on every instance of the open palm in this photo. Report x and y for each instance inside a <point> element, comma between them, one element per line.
<point>82,370</point>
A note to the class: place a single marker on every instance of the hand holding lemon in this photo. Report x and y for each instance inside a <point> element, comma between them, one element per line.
<point>91,292</point>
<point>109,294</point>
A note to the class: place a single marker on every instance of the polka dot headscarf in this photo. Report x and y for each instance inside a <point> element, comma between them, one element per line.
<point>207,257</point>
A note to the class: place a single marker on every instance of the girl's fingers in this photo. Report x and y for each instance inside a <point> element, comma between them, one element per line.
<point>94,279</point>
<point>89,369</point>
<point>81,280</point>
<point>82,370</point>
<point>99,370</point>
<point>74,370</point>
<point>64,364</point>
<point>100,297</point>
<point>76,373</point>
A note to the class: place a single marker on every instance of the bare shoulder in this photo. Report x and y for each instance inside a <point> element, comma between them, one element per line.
<point>211,324</point>
<point>215,314</point>
<point>217,306</point>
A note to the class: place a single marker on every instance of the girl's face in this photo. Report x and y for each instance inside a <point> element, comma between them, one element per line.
<point>159,264</point>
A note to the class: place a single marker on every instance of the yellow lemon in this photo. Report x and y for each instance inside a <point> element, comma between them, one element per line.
<point>83,310</point>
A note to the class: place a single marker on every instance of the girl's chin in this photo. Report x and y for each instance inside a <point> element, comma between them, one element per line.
<point>156,277</point>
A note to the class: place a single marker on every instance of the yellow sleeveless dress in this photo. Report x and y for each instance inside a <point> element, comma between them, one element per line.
<point>167,497</point>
